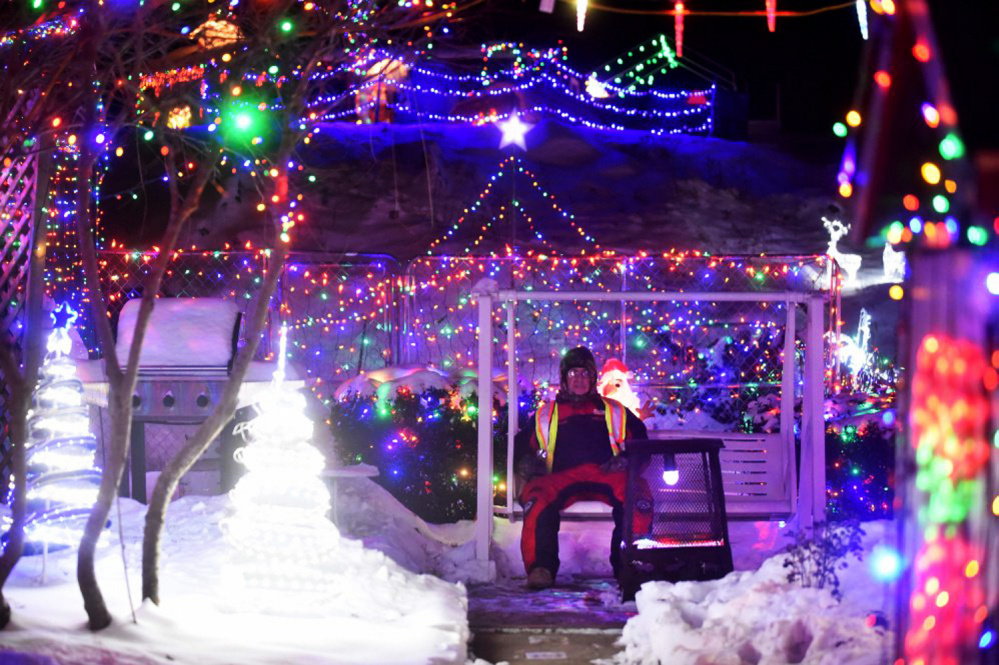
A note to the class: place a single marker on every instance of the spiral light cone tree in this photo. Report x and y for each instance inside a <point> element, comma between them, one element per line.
<point>62,480</point>
<point>284,540</point>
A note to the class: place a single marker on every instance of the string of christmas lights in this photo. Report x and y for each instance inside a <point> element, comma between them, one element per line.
<point>60,26</point>
<point>565,83</point>
<point>513,168</point>
<point>547,75</point>
<point>441,321</point>
<point>929,209</point>
<point>641,64</point>
<point>950,416</point>
<point>63,264</point>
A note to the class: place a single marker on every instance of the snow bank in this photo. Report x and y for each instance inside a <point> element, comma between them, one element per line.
<point>425,616</point>
<point>391,612</point>
<point>747,617</point>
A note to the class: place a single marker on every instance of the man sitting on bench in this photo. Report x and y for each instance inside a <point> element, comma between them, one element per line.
<point>585,466</point>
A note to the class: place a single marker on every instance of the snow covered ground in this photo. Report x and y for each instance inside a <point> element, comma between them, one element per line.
<point>389,612</point>
<point>382,613</point>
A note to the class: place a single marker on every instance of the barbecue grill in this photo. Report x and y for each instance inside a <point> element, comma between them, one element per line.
<point>183,368</point>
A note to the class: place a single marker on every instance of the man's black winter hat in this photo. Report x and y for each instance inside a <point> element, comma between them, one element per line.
<point>578,357</point>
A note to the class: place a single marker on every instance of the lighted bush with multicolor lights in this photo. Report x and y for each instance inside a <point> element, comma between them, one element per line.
<point>424,445</point>
<point>860,463</point>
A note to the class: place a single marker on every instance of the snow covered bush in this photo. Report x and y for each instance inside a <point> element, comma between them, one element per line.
<point>816,556</point>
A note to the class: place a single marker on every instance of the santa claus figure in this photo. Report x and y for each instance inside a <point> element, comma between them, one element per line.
<point>613,383</point>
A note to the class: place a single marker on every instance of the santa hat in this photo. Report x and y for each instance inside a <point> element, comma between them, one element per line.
<point>614,365</point>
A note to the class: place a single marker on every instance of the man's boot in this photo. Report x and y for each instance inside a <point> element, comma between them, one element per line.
<point>539,578</point>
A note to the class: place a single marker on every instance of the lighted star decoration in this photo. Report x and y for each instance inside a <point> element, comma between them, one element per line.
<point>59,342</point>
<point>63,316</point>
<point>514,131</point>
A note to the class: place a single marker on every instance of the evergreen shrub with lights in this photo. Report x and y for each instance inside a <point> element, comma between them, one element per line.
<point>860,443</point>
<point>752,407</point>
<point>424,445</point>
<point>860,462</point>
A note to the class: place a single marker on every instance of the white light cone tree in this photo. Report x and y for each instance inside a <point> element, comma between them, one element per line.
<point>284,542</point>
<point>62,479</point>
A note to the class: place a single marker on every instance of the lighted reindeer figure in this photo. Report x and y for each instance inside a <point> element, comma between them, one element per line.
<point>848,263</point>
<point>894,264</point>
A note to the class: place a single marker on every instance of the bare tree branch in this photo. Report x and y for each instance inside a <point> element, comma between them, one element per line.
<point>195,447</point>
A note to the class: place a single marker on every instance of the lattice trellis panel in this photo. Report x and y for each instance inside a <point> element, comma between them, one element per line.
<point>17,199</point>
<point>235,276</point>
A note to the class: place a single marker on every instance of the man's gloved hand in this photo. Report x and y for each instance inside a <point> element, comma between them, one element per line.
<point>530,466</point>
<point>615,464</point>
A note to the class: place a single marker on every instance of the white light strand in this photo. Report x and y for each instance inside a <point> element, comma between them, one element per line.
<point>862,18</point>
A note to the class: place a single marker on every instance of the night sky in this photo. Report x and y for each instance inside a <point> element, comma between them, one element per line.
<point>805,73</point>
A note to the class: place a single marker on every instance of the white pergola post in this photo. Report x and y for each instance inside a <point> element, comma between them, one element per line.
<point>787,400</point>
<point>812,500</point>
<point>512,401</point>
<point>484,471</point>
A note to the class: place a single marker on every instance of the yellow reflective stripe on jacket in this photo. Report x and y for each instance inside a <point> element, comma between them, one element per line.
<point>546,428</point>
<point>617,423</point>
<point>552,431</point>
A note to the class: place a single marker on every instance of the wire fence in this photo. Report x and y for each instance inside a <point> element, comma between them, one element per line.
<point>701,363</point>
<point>350,315</point>
<point>234,276</point>
<point>341,315</point>
<point>698,362</point>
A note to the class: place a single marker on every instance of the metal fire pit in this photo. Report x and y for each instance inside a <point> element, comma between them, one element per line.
<point>679,483</point>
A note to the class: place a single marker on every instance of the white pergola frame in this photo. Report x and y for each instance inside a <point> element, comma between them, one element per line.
<point>811,499</point>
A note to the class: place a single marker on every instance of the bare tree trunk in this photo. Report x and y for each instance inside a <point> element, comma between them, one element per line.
<point>23,385</point>
<point>122,382</point>
<point>209,429</point>
<point>119,410</point>
<point>19,409</point>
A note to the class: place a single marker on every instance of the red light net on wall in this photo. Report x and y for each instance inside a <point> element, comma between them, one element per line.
<point>950,413</point>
